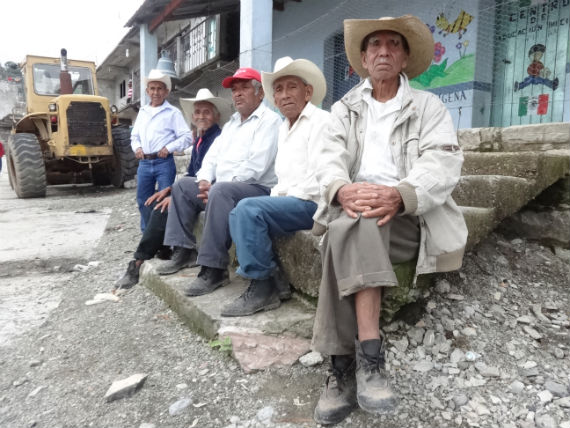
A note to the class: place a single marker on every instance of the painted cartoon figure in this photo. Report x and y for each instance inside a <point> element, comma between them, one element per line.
<point>537,73</point>
<point>458,26</point>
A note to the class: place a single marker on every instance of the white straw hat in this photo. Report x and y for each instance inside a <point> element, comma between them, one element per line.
<point>158,76</point>
<point>417,34</point>
<point>224,106</point>
<point>302,68</point>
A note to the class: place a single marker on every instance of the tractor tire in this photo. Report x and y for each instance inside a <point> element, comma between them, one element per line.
<point>125,164</point>
<point>26,166</point>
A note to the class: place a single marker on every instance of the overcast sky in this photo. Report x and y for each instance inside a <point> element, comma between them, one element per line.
<point>89,30</point>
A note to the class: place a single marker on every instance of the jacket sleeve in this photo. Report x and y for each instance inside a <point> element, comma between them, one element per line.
<point>208,169</point>
<point>436,160</point>
<point>333,164</point>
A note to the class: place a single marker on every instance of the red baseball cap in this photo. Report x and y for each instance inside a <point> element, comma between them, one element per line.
<point>243,73</point>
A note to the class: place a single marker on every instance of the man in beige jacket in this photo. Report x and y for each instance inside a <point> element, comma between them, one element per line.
<point>388,165</point>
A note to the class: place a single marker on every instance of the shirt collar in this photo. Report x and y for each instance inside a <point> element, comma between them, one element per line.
<point>165,105</point>
<point>367,91</point>
<point>258,112</point>
<point>307,112</point>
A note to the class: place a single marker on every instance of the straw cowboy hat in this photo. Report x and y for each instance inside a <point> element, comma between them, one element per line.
<point>158,76</point>
<point>301,68</point>
<point>417,34</point>
<point>224,106</point>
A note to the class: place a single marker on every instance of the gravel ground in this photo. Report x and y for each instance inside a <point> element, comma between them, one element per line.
<point>489,346</point>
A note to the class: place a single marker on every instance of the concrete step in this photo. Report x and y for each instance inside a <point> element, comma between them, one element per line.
<point>274,338</point>
<point>480,222</point>
<point>506,194</point>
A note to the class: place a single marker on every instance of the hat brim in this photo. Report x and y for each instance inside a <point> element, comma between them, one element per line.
<point>163,79</point>
<point>223,106</point>
<point>305,70</point>
<point>416,32</point>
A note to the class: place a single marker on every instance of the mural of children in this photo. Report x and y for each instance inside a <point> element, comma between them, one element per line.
<point>537,73</point>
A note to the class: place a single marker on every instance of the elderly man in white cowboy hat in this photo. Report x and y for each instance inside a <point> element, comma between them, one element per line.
<point>239,164</point>
<point>387,167</point>
<point>207,113</point>
<point>160,129</point>
<point>296,88</point>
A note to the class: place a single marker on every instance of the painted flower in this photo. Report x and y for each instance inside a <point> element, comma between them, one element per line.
<point>439,50</point>
<point>459,45</point>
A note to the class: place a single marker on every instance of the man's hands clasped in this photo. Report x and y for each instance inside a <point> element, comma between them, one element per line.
<point>370,200</point>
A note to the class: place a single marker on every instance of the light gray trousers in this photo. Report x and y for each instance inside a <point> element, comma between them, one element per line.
<point>183,213</point>
<point>357,254</point>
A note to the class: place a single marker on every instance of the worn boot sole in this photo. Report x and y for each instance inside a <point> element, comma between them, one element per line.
<point>380,408</point>
<point>268,307</point>
<point>169,270</point>
<point>331,420</point>
<point>201,292</point>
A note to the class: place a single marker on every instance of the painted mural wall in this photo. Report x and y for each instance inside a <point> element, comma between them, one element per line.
<point>464,72</point>
<point>313,30</point>
<point>532,68</point>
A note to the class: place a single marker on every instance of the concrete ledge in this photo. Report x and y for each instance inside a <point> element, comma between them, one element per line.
<point>506,194</point>
<point>202,313</point>
<point>520,138</point>
<point>480,222</point>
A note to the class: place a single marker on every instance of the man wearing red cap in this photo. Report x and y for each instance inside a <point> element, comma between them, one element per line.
<point>239,164</point>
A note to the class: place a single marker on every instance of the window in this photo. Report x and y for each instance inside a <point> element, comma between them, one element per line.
<point>46,80</point>
<point>122,89</point>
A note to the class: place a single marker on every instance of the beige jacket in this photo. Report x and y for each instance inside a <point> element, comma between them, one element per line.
<point>428,157</point>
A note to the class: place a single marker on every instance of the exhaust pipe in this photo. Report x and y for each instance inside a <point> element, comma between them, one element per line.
<point>64,76</point>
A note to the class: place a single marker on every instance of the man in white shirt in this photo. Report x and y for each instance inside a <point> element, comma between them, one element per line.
<point>295,87</point>
<point>160,130</point>
<point>239,164</point>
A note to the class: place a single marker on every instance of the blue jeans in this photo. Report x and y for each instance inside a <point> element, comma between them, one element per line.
<point>149,173</point>
<point>254,221</point>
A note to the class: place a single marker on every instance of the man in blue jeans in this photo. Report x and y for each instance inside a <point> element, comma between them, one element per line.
<point>160,130</point>
<point>295,87</point>
<point>207,114</point>
<point>239,164</point>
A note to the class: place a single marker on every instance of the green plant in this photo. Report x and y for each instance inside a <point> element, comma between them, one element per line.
<point>224,344</point>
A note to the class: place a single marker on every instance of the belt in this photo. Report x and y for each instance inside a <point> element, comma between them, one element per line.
<point>152,156</point>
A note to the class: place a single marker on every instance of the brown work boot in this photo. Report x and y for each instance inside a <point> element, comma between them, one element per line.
<point>374,392</point>
<point>338,398</point>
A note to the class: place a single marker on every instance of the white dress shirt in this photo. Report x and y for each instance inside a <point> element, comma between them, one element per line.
<point>377,165</point>
<point>158,127</point>
<point>244,151</point>
<point>297,152</point>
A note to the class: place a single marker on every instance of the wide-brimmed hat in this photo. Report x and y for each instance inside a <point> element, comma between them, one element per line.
<point>158,76</point>
<point>243,73</point>
<point>302,68</point>
<point>224,106</point>
<point>417,34</point>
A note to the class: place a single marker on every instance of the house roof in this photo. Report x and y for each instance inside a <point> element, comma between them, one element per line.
<point>153,12</point>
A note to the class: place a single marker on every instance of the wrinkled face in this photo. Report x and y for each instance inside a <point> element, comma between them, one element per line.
<point>204,116</point>
<point>157,92</point>
<point>244,97</point>
<point>291,95</point>
<point>384,55</point>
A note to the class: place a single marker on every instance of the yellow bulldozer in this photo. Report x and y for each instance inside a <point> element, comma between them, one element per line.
<point>62,131</point>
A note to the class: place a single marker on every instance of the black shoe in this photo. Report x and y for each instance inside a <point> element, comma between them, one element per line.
<point>131,276</point>
<point>208,280</point>
<point>164,253</point>
<point>374,392</point>
<point>338,398</point>
<point>261,295</point>
<point>181,258</point>
<point>283,287</point>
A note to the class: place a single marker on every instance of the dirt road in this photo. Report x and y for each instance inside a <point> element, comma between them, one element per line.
<point>489,346</point>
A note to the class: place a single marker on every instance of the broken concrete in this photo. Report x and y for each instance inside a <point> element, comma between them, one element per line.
<point>125,387</point>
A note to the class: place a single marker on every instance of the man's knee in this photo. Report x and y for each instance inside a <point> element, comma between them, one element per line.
<point>247,207</point>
